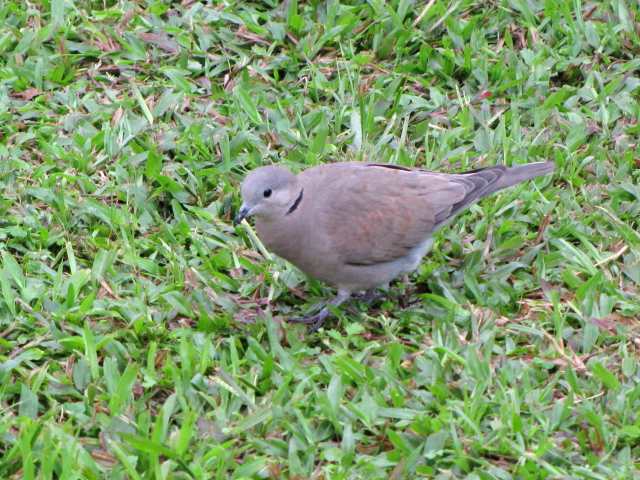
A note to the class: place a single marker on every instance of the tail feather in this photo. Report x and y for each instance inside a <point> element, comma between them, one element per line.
<point>485,181</point>
<point>519,174</point>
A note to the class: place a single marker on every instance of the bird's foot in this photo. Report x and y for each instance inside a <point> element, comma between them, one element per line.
<point>370,296</point>
<point>314,321</point>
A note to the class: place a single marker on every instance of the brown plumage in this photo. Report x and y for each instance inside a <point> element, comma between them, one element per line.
<point>357,225</point>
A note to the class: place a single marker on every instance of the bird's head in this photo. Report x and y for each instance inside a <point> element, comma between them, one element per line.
<point>268,193</point>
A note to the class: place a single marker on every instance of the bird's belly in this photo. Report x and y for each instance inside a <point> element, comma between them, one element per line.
<point>412,260</point>
<point>362,277</point>
<point>318,260</point>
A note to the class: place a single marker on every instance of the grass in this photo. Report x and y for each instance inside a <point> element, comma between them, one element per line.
<point>142,337</point>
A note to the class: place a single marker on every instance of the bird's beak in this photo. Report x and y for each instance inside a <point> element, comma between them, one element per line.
<point>244,212</point>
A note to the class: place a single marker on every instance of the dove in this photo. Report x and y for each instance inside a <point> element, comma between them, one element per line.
<point>358,225</point>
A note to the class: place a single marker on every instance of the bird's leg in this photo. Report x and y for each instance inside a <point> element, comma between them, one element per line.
<point>317,306</point>
<point>370,296</point>
<point>316,321</point>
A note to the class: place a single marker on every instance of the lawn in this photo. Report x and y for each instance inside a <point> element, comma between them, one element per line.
<point>142,336</point>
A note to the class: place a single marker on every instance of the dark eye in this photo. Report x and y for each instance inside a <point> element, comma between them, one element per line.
<point>267,193</point>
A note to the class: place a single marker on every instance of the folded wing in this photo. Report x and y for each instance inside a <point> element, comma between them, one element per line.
<point>391,210</point>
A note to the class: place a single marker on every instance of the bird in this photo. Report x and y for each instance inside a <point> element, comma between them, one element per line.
<point>358,225</point>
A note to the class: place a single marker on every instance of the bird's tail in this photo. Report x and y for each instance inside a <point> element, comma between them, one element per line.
<point>519,174</point>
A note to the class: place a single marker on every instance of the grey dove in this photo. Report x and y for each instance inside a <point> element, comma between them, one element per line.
<point>357,225</point>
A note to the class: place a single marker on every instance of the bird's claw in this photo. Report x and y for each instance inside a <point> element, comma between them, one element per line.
<point>314,321</point>
<point>370,296</point>
<point>304,320</point>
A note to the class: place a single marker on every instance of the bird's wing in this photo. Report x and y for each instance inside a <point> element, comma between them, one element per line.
<point>376,213</point>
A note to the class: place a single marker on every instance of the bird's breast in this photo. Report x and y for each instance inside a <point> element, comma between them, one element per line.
<point>301,242</point>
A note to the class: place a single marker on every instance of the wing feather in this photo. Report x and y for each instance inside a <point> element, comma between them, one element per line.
<point>376,213</point>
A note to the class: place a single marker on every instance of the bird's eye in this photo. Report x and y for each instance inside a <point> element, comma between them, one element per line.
<point>267,193</point>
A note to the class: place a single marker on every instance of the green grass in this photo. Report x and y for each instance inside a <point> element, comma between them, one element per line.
<point>142,337</point>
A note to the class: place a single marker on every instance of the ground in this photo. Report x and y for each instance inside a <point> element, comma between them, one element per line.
<point>143,337</point>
